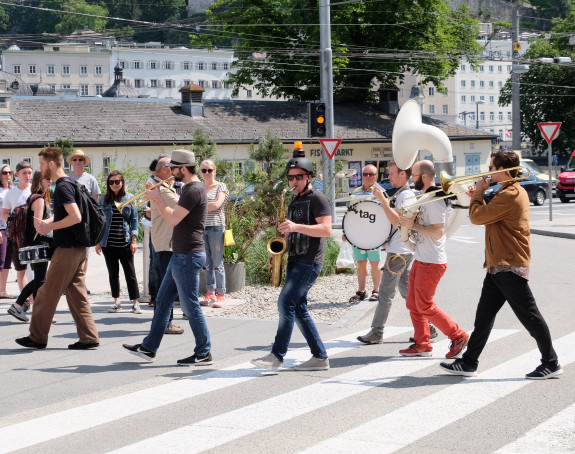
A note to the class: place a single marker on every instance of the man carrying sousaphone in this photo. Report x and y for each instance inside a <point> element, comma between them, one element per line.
<point>369,184</point>
<point>395,272</point>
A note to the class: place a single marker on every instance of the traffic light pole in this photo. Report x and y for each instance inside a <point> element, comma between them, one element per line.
<point>326,85</point>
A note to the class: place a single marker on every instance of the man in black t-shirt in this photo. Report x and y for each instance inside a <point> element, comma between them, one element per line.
<point>67,272</point>
<point>182,277</point>
<point>306,229</point>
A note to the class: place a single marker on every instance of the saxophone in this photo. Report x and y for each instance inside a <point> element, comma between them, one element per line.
<point>277,247</point>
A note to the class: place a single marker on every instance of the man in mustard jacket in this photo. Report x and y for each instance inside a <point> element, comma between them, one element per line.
<point>507,257</point>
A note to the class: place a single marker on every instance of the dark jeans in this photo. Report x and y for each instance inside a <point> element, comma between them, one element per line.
<point>161,262</point>
<point>498,288</point>
<point>114,256</point>
<point>153,282</point>
<point>32,287</point>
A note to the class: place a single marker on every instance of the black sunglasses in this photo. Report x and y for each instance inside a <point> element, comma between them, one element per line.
<point>77,159</point>
<point>207,170</point>
<point>7,172</point>
<point>114,182</point>
<point>295,177</point>
<point>368,174</point>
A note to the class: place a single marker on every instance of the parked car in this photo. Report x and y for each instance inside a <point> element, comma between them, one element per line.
<point>538,172</point>
<point>536,189</point>
<point>566,185</point>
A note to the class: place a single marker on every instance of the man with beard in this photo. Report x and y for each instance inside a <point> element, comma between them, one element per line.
<point>67,272</point>
<point>429,265</point>
<point>182,277</point>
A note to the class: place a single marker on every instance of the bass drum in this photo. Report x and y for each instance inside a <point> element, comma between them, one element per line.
<point>366,226</point>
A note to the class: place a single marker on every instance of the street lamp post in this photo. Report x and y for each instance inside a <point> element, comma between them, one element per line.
<point>464,116</point>
<point>481,101</point>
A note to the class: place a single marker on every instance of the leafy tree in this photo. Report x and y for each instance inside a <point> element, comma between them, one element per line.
<point>547,90</point>
<point>202,146</point>
<point>66,146</point>
<point>277,44</point>
<point>71,22</point>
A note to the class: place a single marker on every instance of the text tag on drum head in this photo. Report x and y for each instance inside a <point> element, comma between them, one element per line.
<point>367,215</point>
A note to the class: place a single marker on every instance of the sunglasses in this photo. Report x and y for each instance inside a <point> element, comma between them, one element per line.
<point>7,172</point>
<point>114,182</point>
<point>207,170</point>
<point>492,168</point>
<point>77,159</point>
<point>368,174</point>
<point>295,177</point>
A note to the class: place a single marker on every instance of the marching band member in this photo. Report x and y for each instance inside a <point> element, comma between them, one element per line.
<point>507,257</point>
<point>369,184</point>
<point>428,267</point>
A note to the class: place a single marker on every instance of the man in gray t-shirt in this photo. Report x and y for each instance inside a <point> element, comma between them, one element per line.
<point>78,160</point>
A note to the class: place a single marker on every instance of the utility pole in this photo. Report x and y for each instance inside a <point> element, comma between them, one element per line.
<point>326,85</point>
<point>515,93</point>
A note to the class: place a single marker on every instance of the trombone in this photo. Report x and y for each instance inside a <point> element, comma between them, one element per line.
<point>133,201</point>
<point>447,181</point>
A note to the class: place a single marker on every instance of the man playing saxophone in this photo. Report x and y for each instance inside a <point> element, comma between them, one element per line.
<point>306,228</point>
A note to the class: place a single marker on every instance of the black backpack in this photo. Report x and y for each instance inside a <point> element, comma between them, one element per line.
<point>90,230</point>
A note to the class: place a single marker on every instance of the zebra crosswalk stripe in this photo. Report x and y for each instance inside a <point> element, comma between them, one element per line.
<point>213,432</point>
<point>390,432</point>
<point>49,427</point>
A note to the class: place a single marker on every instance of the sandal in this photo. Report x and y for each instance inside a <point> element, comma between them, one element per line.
<point>359,296</point>
<point>374,296</point>
<point>6,295</point>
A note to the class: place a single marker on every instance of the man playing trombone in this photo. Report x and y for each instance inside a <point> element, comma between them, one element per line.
<point>430,263</point>
<point>507,258</point>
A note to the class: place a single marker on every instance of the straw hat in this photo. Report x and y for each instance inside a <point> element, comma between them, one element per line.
<point>78,154</point>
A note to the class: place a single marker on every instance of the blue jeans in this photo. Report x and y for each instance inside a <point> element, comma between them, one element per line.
<point>292,306</point>
<point>183,279</point>
<point>214,243</point>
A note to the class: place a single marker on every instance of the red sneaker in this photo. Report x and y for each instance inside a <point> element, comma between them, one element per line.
<point>416,350</point>
<point>457,346</point>
<point>219,302</point>
<point>209,298</point>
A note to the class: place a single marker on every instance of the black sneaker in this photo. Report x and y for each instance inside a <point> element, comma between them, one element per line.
<point>205,360</point>
<point>83,346</point>
<point>29,343</point>
<point>543,372</point>
<point>140,351</point>
<point>432,333</point>
<point>458,367</point>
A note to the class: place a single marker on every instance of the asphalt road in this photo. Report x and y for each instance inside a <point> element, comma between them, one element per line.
<point>371,400</point>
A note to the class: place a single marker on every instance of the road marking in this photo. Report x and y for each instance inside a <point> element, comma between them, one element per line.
<point>393,432</point>
<point>221,429</point>
<point>554,436</point>
<point>464,239</point>
<point>49,427</point>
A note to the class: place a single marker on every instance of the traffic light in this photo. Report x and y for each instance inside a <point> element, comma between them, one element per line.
<point>316,119</point>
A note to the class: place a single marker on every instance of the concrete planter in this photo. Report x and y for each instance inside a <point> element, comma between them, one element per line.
<point>235,278</point>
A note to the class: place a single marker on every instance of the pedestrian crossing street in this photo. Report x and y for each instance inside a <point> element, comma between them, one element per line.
<point>319,392</point>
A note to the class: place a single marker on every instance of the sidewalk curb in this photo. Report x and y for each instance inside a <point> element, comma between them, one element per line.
<point>570,236</point>
<point>355,314</point>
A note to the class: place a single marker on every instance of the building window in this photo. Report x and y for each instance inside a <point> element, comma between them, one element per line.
<point>491,84</point>
<point>481,68</point>
<point>472,84</point>
<point>168,65</point>
<point>106,165</point>
<point>83,70</point>
<point>491,116</point>
<point>490,68</point>
<point>482,98</point>
<point>122,64</point>
<point>445,109</point>
<point>153,83</point>
<point>431,91</point>
<point>154,65</point>
<point>508,116</point>
<point>472,98</point>
<point>138,65</point>
<point>201,66</point>
<point>169,83</point>
<point>463,98</point>
<point>202,83</point>
<point>98,70</point>
<point>431,110</point>
<point>214,66</point>
<point>500,116</point>
<point>500,134</point>
<point>83,90</point>
<point>31,69</point>
<point>53,87</point>
<point>248,94</point>
<point>225,66</point>
<point>482,84</point>
<point>6,161</point>
<point>138,83</point>
<point>66,86</point>
<point>186,65</point>
<point>508,68</point>
<point>215,84</point>
<point>481,116</point>
<point>462,67</point>
<point>50,70</point>
<point>65,69</point>
<point>499,68</point>
<point>98,89</point>
<point>187,82</point>
<point>463,83</point>
<point>3,103</point>
<point>492,99</point>
<point>500,84</point>
<point>16,69</point>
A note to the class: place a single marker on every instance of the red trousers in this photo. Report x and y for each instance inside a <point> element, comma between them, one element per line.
<point>423,280</point>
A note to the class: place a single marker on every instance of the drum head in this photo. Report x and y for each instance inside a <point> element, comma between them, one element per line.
<point>366,226</point>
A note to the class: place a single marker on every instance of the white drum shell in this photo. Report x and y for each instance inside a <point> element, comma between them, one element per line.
<point>366,226</point>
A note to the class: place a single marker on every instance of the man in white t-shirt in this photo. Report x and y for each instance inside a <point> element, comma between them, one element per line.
<point>15,197</point>
<point>429,265</point>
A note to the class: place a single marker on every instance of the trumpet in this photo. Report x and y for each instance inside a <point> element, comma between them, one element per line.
<point>133,201</point>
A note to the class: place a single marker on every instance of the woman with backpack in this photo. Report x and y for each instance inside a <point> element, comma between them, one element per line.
<point>38,208</point>
<point>119,243</point>
<point>6,178</point>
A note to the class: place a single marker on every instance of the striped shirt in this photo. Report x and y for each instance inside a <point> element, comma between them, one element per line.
<point>116,236</point>
<point>218,217</point>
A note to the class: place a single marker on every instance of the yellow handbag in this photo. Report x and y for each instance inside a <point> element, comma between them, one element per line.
<point>229,238</point>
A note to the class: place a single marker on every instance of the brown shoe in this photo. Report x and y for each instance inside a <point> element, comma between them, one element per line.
<point>372,337</point>
<point>174,329</point>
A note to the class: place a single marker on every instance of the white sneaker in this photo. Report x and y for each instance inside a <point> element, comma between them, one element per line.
<point>136,309</point>
<point>17,311</point>
<point>267,362</point>
<point>115,308</point>
<point>313,364</point>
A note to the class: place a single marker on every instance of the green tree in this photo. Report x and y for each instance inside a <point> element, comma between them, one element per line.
<point>547,90</point>
<point>66,146</point>
<point>86,17</point>
<point>202,146</point>
<point>277,44</point>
